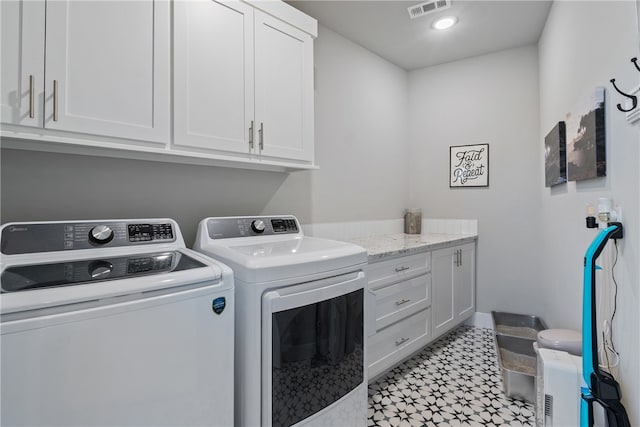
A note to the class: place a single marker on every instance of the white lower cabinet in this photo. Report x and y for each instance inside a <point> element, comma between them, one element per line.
<point>454,285</point>
<point>417,298</point>
<point>401,290</point>
<point>391,345</point>
<point>397,301</point>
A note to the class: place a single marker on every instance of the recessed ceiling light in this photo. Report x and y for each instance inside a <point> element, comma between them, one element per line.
<point>444,23</point>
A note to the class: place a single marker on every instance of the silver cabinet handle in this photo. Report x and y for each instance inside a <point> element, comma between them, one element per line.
<point>261,136</point>
<point>403,301</point>
<point>460,257</point>
<point>251,136</point>
<point>457,259</point>
<point>399,269</point>
<point>55,100</point>
<point>402,341</point>
<point>31,97</point>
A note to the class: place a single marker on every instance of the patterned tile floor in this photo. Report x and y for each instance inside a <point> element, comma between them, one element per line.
<point>454,382</point>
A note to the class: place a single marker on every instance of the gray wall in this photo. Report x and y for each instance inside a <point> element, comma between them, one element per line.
<point>488,99</point>
<point>47,186</point>
<point>361,122</point>
<point>584,44</point>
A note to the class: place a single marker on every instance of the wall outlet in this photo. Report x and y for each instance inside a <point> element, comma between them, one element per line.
<point>618,211</point>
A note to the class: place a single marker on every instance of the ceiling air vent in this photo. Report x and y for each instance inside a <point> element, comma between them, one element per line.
<point>428,7</point>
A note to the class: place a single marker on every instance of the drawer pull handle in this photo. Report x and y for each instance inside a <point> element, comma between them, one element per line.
<point>403,301</point>
<point>402,341</point>
<point>399,269</point>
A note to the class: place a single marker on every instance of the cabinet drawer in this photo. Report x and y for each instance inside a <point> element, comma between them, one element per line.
<point>409,334</point>
<point>394,302</point>
<point>386,272</point>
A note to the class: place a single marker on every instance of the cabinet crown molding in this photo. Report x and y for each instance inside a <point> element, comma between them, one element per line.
<point>287,13</point>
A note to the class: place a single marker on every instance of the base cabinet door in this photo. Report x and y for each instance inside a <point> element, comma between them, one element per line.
<point>464,282</point>
<point>453,287</point>
<point>442,273</point>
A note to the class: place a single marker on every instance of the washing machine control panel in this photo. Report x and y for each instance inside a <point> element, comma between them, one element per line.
<point>225,228</point>
<point>26,238</point>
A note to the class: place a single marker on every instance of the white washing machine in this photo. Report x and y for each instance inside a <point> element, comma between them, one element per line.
<point>113,323</point>
<point>300,341</point>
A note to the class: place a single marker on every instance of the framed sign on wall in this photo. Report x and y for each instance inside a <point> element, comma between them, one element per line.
<point>469,165</point>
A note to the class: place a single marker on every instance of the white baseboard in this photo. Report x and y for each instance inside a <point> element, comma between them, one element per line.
<point>480,320</point>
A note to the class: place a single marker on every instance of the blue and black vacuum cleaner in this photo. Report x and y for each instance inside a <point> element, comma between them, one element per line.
<point>601,386</point>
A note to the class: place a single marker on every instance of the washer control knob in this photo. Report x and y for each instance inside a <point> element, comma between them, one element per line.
<point>101,234</point>
<point>258,226</point>
<point>100,269</point>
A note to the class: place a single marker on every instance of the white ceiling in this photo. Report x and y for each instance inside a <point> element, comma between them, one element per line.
<point>384,27</point>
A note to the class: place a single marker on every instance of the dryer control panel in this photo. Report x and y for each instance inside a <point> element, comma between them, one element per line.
<point>25,238</point>
<point>230,227</point>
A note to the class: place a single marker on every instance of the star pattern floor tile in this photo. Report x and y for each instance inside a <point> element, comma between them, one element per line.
<point>455,381</point>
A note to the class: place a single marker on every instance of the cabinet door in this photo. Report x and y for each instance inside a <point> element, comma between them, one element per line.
<point>22,65</point>
<point>107,68</point>
<point>442,272</point>
<point>283,89</point>
<point>213,74</point>
<point>464,284</point>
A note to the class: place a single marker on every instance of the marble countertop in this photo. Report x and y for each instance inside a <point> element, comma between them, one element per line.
<point>391,245</point>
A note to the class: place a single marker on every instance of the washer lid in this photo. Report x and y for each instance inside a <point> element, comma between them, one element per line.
<point>30,286</point>
<point>277,258</point>
<point>21,278</point>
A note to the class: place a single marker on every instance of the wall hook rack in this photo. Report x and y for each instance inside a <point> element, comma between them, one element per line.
<point>633,98</point>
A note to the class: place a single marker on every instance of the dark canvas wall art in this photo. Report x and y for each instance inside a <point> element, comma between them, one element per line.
<point>555,156</point>
<point>586,154</point>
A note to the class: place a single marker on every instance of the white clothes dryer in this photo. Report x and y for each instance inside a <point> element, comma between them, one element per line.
<point>113,322</point>
<point>300,341</point>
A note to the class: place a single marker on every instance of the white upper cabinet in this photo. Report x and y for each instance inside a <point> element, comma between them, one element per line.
<point>110,60</point>
<point>283,89</point>
<point>243,80</point>
<point>213,75</point>
<point>22,73</point>
<point>221,82</point>
<point>105,72</point>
